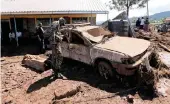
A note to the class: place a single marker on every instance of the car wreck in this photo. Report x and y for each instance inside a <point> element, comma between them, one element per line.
<point>104,50</point>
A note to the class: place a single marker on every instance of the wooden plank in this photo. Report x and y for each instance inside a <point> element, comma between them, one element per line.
<point>164,47</point>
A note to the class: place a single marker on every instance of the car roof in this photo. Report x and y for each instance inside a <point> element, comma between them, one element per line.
<point>93,33</point>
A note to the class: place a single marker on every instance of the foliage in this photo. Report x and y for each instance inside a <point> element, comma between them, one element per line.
<point>126,4</point>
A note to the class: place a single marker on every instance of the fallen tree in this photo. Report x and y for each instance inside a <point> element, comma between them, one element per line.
<point>34,62</point>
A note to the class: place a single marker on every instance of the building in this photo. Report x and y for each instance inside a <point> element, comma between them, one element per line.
<point>24,15</point>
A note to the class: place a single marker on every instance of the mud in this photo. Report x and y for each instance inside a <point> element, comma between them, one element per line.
<point>22,85</point>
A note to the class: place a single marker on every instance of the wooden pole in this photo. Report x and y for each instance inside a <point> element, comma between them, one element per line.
<point>91,18</point>
<point>10,24</point>
<point>107,19</point>
<point>35,22</point>
<point>147,10</point>
<point>50,20</point>
<point>15,26</point>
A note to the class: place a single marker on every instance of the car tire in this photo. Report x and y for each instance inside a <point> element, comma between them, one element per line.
<point>105,70</point>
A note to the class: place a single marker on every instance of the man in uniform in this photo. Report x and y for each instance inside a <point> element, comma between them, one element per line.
<point>55,41</point>
<point>62,21</point>
<point>40,35</point>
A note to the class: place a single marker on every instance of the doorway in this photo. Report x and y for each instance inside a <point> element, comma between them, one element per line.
<point>5,31</point>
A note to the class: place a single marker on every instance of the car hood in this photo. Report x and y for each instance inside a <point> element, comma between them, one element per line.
<point>129,46</point>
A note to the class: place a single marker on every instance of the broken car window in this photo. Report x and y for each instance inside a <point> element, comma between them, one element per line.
<point>76,39</point>
<point>98,32</point>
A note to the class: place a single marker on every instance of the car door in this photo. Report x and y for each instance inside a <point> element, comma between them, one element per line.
<point>78,48</point>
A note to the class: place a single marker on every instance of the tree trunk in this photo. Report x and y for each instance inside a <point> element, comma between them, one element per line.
<point>127,6</point>
<point>128,11</point>
<point>34,62</point>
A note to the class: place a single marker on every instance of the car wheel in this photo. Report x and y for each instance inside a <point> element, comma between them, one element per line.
<point>105,69</point>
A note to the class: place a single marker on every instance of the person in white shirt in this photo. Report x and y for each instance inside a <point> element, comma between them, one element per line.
<point>12,38</point>
<point>18,34</point>
<point>142,23</point>
<point>11,35</point>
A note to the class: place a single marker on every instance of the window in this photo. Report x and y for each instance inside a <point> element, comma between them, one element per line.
<point>65,39</point>
<point>76,39</point>
<point>66,36</point>
<point>44,21</point>
<point>56,19</point>
<point>79,20</point>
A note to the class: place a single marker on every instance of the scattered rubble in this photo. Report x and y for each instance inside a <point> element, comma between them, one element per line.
<point>67,89</point>
<point>157,38</point>
<point>21,85</point>
<point>162,87</point>
<point>161,61</point>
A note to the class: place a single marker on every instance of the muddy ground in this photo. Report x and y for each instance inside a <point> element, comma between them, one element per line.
<point>22,85</point>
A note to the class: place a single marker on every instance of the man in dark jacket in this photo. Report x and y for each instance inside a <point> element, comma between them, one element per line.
<point>138,23</point>
<point>146,27</point>
<point>40,35</point>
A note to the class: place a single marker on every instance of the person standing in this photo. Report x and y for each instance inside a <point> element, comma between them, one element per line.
<point>12,38</point>
<point>55,41</point>
<point>40,35</point>
<point>142,23</point>
<point>138,23</point>
<point>62,21</point>
<point>11,35</point>
<point>146,25</point>
<point>13,42</point>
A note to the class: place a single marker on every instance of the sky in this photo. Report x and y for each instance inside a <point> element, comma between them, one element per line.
<point>155,6</point>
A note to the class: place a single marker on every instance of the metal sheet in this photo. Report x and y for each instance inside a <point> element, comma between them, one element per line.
<point>52,6</point>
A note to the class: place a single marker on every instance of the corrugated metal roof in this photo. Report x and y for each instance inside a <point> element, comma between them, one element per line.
<point>52,6</point>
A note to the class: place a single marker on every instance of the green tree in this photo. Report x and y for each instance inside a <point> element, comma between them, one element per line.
<point>126,4</point>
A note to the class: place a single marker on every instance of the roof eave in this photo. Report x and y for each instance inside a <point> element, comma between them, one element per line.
<point>54,12</point>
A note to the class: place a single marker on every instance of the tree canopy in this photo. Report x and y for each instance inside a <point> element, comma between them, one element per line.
<point>126,4</point>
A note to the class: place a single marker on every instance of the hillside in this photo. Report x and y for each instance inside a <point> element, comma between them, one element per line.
<point>156,16</point>
<point>161,15</point>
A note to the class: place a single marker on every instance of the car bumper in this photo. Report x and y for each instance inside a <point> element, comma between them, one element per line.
<point>130,69</point>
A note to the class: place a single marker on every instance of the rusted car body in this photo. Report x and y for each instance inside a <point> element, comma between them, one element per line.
<point>93,44</point>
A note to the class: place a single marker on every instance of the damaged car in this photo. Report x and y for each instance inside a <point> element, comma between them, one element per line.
<point>104,50</point>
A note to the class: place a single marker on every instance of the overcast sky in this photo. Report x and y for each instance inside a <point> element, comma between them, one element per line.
<point>155,6</point>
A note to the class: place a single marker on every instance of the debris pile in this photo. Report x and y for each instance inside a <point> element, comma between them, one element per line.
<point>157,38</point>
<point>161,61</point>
